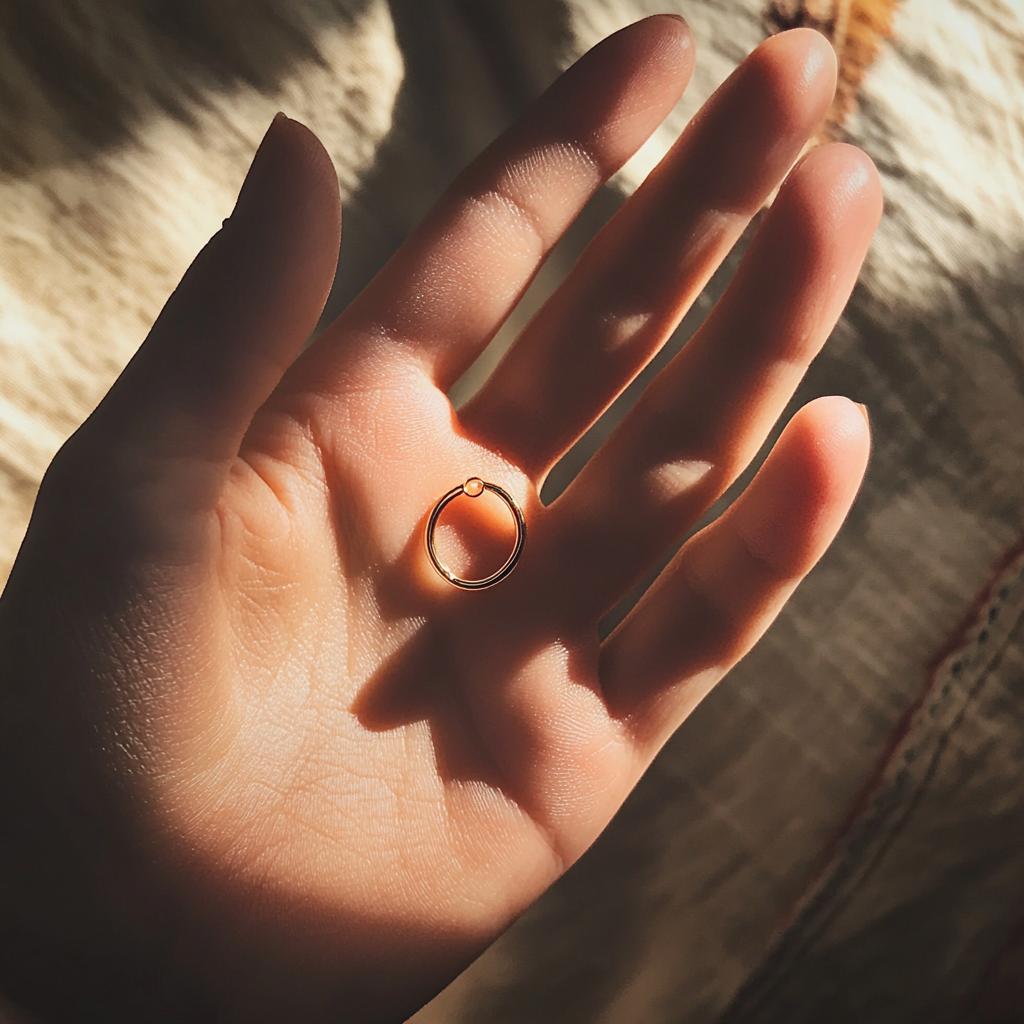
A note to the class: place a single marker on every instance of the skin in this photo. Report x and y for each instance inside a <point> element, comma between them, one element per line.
<point>258,762</point>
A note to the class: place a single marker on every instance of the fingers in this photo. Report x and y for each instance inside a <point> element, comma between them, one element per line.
<point>240,315</point>
<point>727,584</point>
<point>460,273</point>
<point>639,276</point>
<point>702,420</point>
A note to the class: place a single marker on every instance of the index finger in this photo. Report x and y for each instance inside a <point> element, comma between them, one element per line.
<point>455,280</point>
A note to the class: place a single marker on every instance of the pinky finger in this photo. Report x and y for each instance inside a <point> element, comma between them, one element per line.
<point>726,585</point>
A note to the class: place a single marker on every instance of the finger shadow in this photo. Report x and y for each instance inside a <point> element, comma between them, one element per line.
<point>462,671</point>
<point>419,683</point>
<point>426,679</point>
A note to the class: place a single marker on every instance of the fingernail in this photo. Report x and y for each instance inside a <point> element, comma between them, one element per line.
<point>262,164</point>
<point>864,412</point>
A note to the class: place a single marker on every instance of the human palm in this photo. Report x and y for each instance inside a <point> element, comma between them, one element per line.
<point>304,776</point>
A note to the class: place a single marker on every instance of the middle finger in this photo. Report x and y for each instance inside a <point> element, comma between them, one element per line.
<point>636,280</point>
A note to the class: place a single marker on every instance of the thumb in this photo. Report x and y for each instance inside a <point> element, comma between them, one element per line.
<point>238,318</point>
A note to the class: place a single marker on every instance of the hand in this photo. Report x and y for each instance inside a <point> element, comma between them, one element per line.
<point>260,762</point>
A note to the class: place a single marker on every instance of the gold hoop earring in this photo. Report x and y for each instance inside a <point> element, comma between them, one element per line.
<point>473,488</point>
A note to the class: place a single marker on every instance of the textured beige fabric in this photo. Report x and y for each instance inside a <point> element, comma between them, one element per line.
<point>103,208</point>
<point>716,878</point>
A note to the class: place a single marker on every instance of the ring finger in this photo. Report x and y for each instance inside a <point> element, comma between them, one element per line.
<point>705,416</point>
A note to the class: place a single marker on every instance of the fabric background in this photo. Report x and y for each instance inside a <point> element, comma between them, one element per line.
<point>836,834</point>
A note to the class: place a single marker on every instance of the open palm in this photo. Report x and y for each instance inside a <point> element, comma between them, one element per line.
<point>304,777</point>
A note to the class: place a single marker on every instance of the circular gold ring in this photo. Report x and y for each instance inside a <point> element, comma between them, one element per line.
<point>473,488</point>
